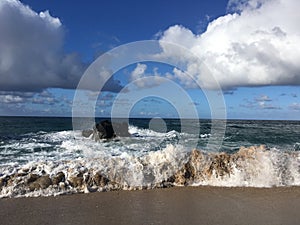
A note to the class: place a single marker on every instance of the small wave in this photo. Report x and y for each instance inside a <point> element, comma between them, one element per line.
<point>205,135</point>
<point>145,132</point>
<point>172,166</point>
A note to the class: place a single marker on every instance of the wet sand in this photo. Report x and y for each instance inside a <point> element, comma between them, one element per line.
<point>186,205</point>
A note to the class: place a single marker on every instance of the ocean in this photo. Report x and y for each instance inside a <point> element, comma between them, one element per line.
<point>43,156</point>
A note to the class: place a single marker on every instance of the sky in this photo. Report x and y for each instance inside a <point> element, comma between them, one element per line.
<point>243,51</point>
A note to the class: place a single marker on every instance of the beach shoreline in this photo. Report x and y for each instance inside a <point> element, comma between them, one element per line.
<point>177,205</point>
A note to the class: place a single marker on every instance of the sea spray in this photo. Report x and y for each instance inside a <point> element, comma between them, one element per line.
<point>249,167</point>
<point>49,158</point>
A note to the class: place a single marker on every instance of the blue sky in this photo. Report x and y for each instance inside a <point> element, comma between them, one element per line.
<point>250,47</point>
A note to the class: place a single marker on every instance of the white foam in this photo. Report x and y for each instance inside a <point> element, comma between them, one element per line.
<point>266,169</point>
<point>126,169</point>
<point>144,160</point>
<point>205,135</point>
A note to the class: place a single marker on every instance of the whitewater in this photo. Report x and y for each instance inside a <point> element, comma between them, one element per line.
<point>44,157</point>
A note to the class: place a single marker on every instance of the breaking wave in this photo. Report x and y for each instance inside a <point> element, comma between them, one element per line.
<point>44,163</point>
<point>172,165</point>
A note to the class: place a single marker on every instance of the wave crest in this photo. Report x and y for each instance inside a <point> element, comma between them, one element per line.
<point>255,166</point>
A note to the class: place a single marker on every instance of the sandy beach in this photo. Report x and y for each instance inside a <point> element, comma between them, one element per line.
<point>181,205</point>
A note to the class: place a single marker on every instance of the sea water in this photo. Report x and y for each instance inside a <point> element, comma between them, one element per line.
<point>150,156</point>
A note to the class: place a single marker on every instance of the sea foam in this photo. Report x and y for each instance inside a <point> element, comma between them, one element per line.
<point>54,163</point>
<point>172,166</point>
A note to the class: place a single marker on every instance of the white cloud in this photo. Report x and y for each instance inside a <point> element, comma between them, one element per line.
<point>11,99</point>
<point>31,51</point>
<point>264,105</point>
<point>257,46</point>
<point>139,73</point>
<point>240,5</point>
<point>32,56</point>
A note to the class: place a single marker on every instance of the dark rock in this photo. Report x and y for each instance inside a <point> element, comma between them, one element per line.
<point>112,185</point>
<point>100,180</point>
<point>1,182</point>
<point>4,181</point>
<point>93,182</point>
<point>171,179</point>
<point>33,186</point>
<point>9,180</point>
<point>121,129</point>
<point>107,130</point>
<point>40,183</point>
<point>80,174</point>
<point>76,181</point>
<point>103,130</point>
<point>44,181</point>
<point>32,177</point>
<point>87,133</point>
<point>59,177</point>
<point>25,170</point>
<point>189,171</point>
<point>32,168</point>
<point>22,174</point>
<point>167,184</point>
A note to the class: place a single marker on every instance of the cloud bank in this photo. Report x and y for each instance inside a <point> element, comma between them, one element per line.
<point>257,45</point>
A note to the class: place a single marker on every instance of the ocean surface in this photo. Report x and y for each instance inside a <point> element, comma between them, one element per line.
<point>251,153</point>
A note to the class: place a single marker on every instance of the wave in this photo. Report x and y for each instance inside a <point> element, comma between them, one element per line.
<point>255,166</point>
<point>250,167</point>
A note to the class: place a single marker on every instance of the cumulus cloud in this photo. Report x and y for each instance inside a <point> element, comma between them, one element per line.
<point>240,5</point>
<point>139,73</point>
<point>32,57</point>
<point>257,45</point>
